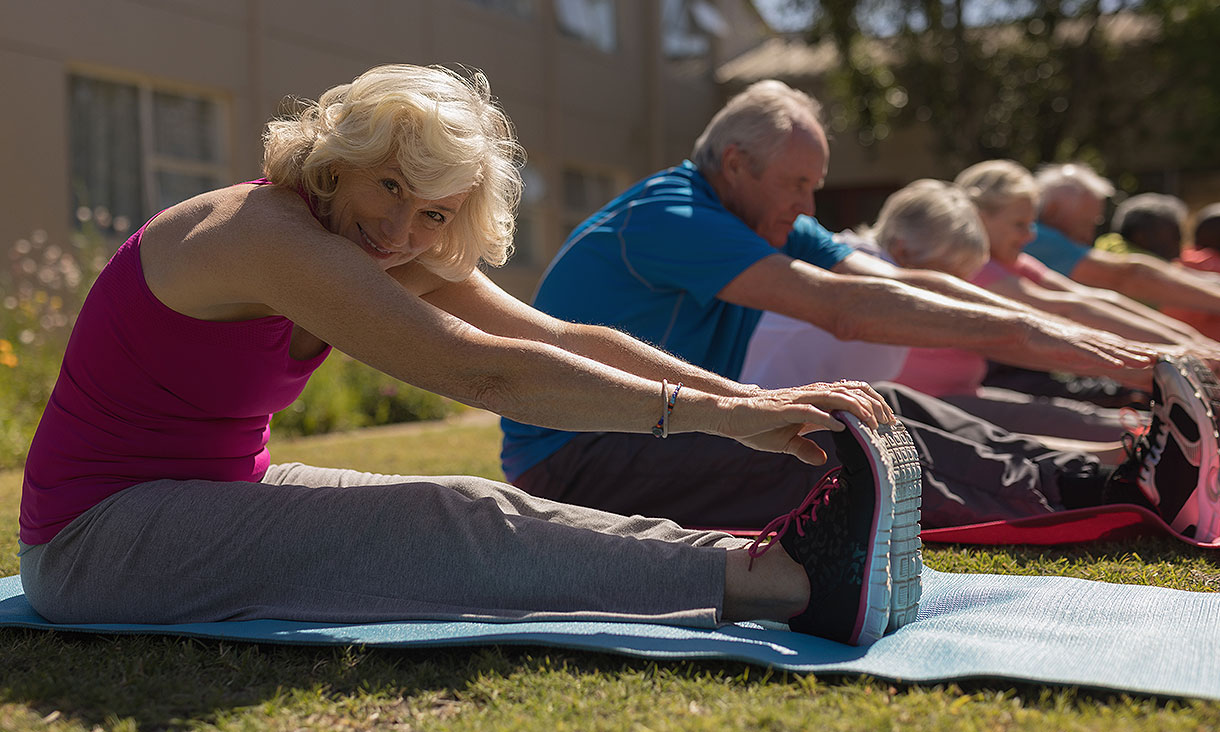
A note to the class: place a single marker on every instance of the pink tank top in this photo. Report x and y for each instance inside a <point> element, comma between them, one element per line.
<point>943,372</point>
<point>145,393</point>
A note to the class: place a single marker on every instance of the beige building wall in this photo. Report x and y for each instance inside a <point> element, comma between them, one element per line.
<point>613,116</point>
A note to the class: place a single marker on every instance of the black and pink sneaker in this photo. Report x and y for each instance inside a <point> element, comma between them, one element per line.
<point>842,535</point>
<point>1175,464</point>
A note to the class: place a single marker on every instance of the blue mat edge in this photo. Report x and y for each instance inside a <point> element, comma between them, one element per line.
<point>566,642</point>
<point>542,634</point>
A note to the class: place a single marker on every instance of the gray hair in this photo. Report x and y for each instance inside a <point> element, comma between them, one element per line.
<point>1147,209</point>
<point>757,120</point>
<point>1069,180</point>
<point>938,225</point>
<point>993,184</point>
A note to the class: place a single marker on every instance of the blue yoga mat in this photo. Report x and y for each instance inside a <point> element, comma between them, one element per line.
<point>1052,630</point>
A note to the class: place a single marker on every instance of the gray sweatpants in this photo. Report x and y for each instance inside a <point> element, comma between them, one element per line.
<point>328,545</point>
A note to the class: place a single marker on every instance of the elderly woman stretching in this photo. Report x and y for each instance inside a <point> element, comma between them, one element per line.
<point>149,496</point>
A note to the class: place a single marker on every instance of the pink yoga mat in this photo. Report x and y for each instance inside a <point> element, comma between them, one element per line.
<point>1099,523</point>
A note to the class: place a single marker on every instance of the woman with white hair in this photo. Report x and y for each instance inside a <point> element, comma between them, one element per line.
<point>1007,196</point>
<point>927,224</point>
<point>149,495</point>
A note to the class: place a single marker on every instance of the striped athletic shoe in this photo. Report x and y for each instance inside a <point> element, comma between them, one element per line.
<point>1176,463</point>
<point>887,455</point>
<point>841,534</point>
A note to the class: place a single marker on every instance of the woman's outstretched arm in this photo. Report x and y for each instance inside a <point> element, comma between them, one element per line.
<point>271,251</point>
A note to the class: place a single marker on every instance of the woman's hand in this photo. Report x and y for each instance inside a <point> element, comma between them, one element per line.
<point>777,420</point>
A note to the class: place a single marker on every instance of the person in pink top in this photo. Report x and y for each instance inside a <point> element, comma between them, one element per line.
<point>1182,431</point>
<point>1006,197</point>
<point>1204,256</point>
<point>149,495</point>
<point>934,225</point>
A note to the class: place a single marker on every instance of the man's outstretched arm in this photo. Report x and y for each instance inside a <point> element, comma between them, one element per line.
<point>1114,304</point>
<point>1101,309</point>
<point>862,263</point>
<point>1149,279</point>
<point>883,310</point>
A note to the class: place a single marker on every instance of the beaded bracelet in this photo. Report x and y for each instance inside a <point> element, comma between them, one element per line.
<point>661,428</point>
<point>669,408</point>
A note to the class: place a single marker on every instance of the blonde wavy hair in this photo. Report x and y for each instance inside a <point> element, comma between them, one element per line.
<point>930,224</point>
<point>445,132</point>
<point>993,184</point>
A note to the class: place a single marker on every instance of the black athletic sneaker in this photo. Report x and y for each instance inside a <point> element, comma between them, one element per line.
<point>1176,463</point>
<point>841,535</point>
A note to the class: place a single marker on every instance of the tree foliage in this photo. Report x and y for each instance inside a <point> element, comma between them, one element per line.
<point>1189,53</point>
<point>1032,80</point>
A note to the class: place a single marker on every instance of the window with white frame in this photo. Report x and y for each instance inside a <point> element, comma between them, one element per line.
<point>137,148</point>
<point>688,26</point>
<point>591,21</point>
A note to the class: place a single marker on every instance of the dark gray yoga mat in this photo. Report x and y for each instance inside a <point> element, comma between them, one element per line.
<point>1052,630</point>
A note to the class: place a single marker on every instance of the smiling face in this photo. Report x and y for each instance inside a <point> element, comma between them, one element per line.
<point>770,200</point>
<point>376,210</point>
<point>1009,228</point>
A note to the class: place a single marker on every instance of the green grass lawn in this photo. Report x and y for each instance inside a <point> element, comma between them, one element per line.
<point>65,681</point>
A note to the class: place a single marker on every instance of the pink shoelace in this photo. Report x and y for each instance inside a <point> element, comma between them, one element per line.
<point>779,525</point>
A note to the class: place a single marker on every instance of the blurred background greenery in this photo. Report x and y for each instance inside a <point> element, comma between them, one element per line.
<point>1032,80</point>
<point>44,283</point>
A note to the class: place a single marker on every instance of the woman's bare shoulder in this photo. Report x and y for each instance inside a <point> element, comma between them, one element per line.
<point>197,255</point>
<point>229,215</point>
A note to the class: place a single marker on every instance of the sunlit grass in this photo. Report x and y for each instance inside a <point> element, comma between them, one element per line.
<point>83,682</point>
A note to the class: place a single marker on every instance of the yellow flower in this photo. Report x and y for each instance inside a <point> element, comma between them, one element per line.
<point>5,346</point>
<point>8,359</point>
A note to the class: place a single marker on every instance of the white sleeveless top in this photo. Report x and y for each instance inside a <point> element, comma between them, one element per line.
<point>785,351</point>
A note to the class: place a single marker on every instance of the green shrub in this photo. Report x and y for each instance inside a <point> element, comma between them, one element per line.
<point>42,285</point>
<point>345,394</point>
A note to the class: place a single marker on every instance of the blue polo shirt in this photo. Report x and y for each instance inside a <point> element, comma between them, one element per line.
<point>1051,247</point>
<point>650,263</point>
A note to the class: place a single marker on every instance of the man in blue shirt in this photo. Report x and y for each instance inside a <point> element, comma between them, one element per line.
<point>688,258</point>
<point>1071,207</point>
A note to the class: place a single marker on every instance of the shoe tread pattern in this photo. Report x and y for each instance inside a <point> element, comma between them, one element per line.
<point>893,452</point>
<point>906,557</point>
